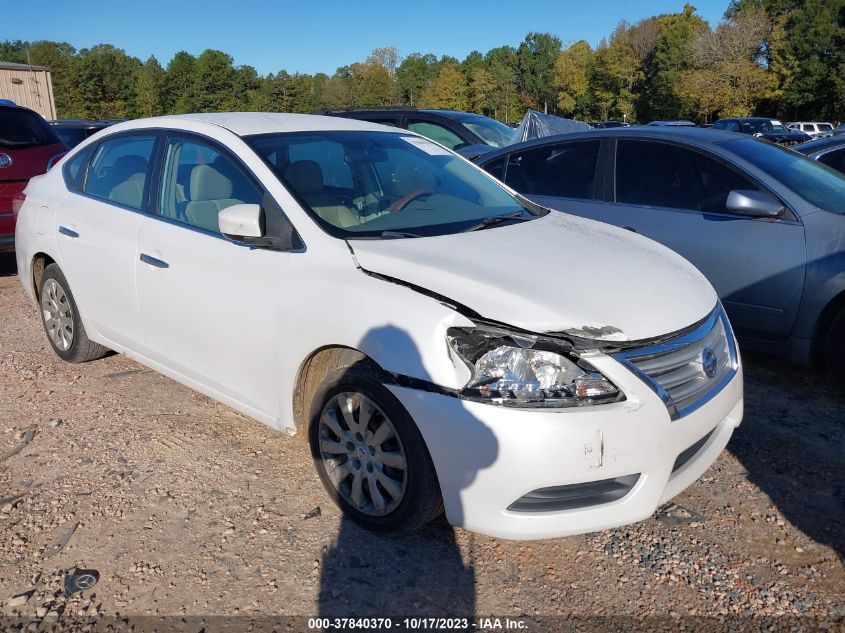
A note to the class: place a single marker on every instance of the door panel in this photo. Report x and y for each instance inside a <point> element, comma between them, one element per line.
<point>210,307</point>
<point>97,246</point>
<point>211,310</point>
<point>97,231</point>
<point>676,196</point>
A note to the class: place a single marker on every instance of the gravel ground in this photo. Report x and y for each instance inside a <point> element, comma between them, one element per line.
<point>186,508</point>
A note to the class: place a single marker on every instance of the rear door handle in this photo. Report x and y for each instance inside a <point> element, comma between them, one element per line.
<point>154,261</point>
<point>69,232</point>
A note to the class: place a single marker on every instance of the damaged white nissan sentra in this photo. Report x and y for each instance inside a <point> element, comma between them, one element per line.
<point>442,342</point>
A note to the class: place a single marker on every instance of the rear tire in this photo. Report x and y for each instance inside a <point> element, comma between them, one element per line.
<point>370,455</point>
<point>834,349</point>
<point>61,320</point>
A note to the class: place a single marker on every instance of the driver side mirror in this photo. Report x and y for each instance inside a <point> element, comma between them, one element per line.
<point>756,204</point>
<point>241,221</point>
<point>250,225</point>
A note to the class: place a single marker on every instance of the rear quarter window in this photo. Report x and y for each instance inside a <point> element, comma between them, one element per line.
<point>75,168</point>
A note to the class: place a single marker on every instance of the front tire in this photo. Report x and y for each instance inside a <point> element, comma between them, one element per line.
<point>61,320</point>
<point>370,455</point>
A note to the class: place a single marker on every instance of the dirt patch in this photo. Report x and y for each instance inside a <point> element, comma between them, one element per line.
<point>185,507</point>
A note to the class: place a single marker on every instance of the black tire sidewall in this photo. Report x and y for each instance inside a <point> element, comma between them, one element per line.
<point>420,474</point>
<point>80,338</point>
<point>834,352</point>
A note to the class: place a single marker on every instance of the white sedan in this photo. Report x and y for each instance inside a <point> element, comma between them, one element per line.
<point>443,343</point>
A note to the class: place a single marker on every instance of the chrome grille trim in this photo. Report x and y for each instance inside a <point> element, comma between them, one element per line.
<point>674,369</point>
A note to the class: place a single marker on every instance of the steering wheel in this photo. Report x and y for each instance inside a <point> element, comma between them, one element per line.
<point>404,201</point>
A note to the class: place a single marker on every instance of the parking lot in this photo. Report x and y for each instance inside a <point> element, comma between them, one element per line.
<point>185,507</point>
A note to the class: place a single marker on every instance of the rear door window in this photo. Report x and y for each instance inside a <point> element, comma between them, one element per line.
<point>497,167</point>
<point>564,170</point>
<point>656,174</point>
<point>835,159</point>
<point>120,170</point>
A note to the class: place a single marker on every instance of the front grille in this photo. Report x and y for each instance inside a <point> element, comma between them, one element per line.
<point>591,493</point>
<point>690,369</point>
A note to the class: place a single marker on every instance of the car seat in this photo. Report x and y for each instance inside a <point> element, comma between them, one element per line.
<point>211,192</point>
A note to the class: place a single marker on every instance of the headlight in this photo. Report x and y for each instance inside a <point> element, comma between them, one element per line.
<point>518,370</point>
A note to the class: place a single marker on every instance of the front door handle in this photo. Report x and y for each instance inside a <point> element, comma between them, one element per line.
<point>154,261</point>
<point>69,232</point>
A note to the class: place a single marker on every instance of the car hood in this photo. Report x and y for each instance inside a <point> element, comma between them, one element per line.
<point>556,274</point>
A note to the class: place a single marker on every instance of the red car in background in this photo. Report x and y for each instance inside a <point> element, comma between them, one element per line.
<point>28,147</point>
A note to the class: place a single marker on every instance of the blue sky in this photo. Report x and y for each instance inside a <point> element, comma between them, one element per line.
<point>320,35</point>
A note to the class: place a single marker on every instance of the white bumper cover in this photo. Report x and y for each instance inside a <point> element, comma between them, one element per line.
<point>488,456</point>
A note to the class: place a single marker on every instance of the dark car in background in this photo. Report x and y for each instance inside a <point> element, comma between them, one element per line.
<point>828,151</point>
<point>765,224</point>
<point>600,125</point>
<point>678,123</point>
<point>28,147</point>
<point>74,131</point>
<point>456,130</point>
<point>761,127</point>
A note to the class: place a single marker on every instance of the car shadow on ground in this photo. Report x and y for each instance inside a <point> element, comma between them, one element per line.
<point>366,574</point>
<point>791,444</point>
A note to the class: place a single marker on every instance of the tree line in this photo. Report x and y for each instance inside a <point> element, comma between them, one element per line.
<point>782,58</point>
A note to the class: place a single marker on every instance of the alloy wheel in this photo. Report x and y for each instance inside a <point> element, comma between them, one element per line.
<point>362,454</point>
<point>58,314</point>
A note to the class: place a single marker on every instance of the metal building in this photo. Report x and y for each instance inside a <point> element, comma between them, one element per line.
<point>28,86</point>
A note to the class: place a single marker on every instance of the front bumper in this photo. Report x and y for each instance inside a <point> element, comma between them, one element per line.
<point>488,456</point>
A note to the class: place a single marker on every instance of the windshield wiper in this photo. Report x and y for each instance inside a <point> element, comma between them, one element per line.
<point>497,219</point>
<point>394,235</point>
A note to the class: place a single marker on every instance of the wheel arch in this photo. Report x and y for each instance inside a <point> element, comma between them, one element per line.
<point>40,261</point>
<point>313,370</point>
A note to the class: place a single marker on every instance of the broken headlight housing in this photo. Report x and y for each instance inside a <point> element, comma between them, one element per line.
<point>527,371</point>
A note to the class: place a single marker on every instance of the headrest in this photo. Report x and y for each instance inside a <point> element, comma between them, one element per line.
<point>209,184</point>
<point>305,176</point>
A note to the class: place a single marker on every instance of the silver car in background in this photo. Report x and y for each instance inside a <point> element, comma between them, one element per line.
<point>765,224</point>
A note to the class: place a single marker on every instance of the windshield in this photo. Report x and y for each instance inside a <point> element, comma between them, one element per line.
<point>818,184</point>
<point>383,184</point>
<point>490,130</point>
<point>767,127</point>
<point>22,128</point>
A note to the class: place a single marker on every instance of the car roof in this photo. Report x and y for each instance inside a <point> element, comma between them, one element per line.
<point>810,147</point>
<point>247,123</point>
<point>451,114</point>
<point>690,135</point>
<point>749,118</point>
<point>16,108</point>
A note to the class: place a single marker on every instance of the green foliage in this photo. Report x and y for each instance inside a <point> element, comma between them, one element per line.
<point>535,62</point>
<point>149,81</point>
<point>178,80</point>
<point>571,81</point>
<point>772,57</point>
<point>449,91</point>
